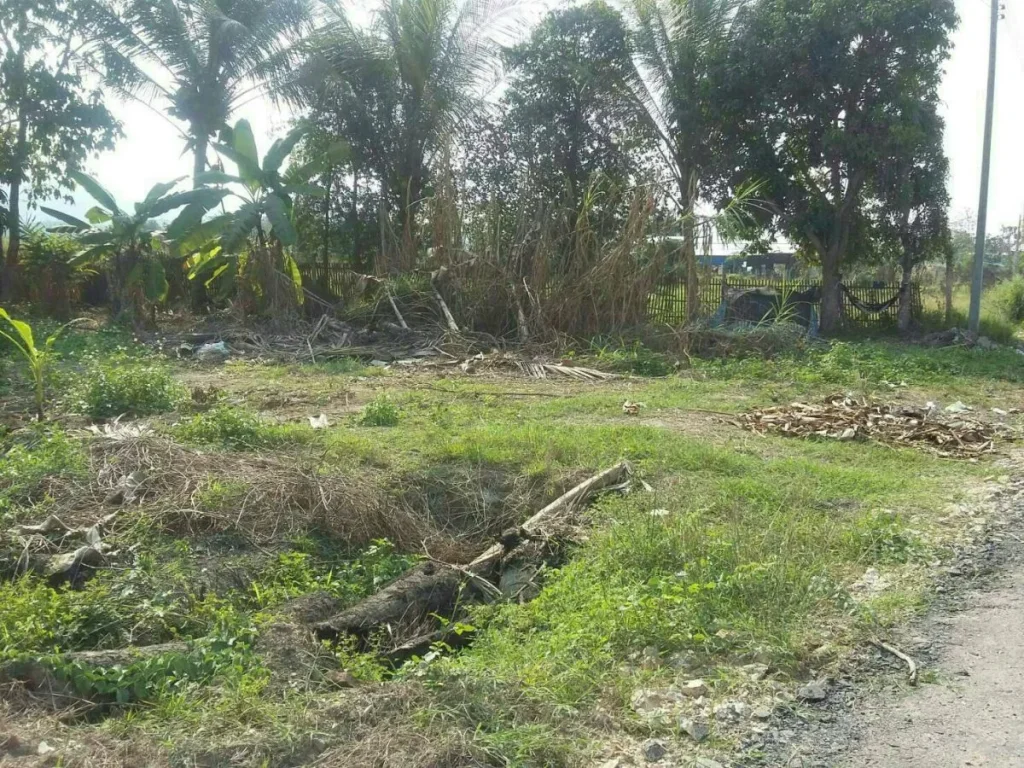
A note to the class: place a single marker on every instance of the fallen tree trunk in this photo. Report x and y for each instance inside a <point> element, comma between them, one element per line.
<point>42,678</point>
<point>402,608</point>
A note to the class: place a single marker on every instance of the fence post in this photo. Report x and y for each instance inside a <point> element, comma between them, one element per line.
<point>725,285</point>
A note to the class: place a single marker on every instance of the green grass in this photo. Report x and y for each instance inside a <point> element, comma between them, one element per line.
<point>239,430</point>
<point>745,549</point>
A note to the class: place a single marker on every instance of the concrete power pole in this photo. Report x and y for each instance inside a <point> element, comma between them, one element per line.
<point>974,319</point>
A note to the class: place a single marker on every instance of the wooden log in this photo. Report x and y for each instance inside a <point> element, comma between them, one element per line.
<point>435,588</point>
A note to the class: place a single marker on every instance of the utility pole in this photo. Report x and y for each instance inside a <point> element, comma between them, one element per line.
<point>974,319</point>
<point>1015,263</point>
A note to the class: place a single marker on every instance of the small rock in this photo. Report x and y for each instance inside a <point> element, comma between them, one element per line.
<point>871,583</point>
<point>697,730</point>
<point>694,689</point>
<point>825,652</point>
<point>761,713</point>
<point>654,706</point>
<point>650,657</point>
<point>986,343</point>
<point>378,364</point>
<point>683,661</point>
<point>730,711</point>
<point>958,407</point>
<point>756,672</point>
<point>654,750</point>
<point>813,691</point>
<point>44,748</point>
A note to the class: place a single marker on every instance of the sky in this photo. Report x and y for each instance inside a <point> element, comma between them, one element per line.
<point>150,152</point>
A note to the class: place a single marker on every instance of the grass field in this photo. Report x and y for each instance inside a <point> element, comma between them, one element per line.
<point>235,517</point>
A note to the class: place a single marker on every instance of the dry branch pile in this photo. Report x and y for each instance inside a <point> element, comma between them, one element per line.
<point>845,418</point>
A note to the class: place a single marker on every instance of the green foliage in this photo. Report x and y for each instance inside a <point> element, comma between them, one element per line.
<point>884,538</point>
<point>53,118</point>
<point>36,358</point>
<point>298,573</point>
<point>784,117</point>
<point>156,677</point>
<point>236,244</point>
<point>630,357</point>
<point>1008,297</point>
<point>120,386</point>
<point>215,55</point>
<point>152,602</point>
<point>128,244</point>
<point>31,460</point>
<point>380,412</point>
<point>238,429</point>
<point>875,363</point>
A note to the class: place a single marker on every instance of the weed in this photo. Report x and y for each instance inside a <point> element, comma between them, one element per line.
<point>238,430</point>
<point>630,357</point>
<point>380,412</point>
<point>298,573</point>
<point>123,387</point>
<point>32,461</point>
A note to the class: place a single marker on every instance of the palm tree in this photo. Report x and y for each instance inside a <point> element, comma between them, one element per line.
<point>204,58</point>
<point>676,46</point>
<point>418,73</point>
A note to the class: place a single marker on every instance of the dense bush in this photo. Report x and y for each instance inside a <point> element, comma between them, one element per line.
<point>1008,297</point>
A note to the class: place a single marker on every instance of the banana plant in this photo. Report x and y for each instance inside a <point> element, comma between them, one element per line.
<point>249,245</point>
<point>129,243</point>
<point>37,358</point>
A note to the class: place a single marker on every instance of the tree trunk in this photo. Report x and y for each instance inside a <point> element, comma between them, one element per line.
<point>692,278</point>
<point>949,286</point>
<point>199,162</point>
<point>831,292</point>
<point>688,200</point>
<point>329,186</point>
<point>906,312</point>
<point>11,272</point>
<point>357,234</point>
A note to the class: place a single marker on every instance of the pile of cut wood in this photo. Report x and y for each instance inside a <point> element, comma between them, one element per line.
<point>841,417</point>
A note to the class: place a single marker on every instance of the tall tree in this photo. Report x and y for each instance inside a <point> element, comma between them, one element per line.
<point>914,198</point>
<point>203,58</point>
<point>417,73</point>
<point>680,46</point>
<point>820,90</point>
<point>51,121</point>
<point>567,109</point>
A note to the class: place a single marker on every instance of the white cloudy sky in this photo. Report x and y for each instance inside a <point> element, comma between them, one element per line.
<point>151,149</point>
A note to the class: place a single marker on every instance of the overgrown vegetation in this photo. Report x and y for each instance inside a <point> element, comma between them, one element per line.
<point>121,387</point>
<point>413,312</point>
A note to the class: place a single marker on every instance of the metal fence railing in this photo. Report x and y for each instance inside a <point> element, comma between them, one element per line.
<point>668,302</point>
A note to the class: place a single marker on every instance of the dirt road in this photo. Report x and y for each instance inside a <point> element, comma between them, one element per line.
<point>974,714</point>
